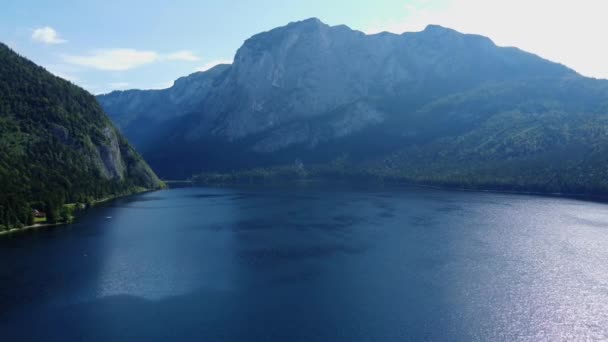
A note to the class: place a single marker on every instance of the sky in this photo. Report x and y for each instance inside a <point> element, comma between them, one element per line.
<point>105,45</point>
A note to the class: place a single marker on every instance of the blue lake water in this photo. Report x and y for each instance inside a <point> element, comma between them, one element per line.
<point>312,263</point>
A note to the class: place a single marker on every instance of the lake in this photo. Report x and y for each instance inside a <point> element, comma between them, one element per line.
<point>313,263</point>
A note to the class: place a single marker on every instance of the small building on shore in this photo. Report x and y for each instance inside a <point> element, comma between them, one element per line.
<point>38,214</point>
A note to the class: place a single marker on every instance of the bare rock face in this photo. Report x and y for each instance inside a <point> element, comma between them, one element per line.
<point>111,157</point>
<point>351,119</point>
<point>143,113</point>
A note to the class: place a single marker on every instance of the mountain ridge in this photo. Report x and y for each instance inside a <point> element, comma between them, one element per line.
<point>312,92</point>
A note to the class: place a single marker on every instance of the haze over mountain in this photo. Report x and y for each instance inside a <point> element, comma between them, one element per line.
<point>57,145</point>
<point>436,106</point>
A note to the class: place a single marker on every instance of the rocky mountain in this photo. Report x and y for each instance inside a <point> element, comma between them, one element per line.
<point>57,145</point>
<point>144,112</point>
<point>409,104</point>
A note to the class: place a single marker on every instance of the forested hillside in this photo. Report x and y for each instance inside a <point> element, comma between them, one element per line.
<point>57,146</point>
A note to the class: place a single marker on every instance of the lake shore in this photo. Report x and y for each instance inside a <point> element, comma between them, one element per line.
<point>32,227</point>
<point>586,197</point>
<point>36,226</point>
<point>273,182</point>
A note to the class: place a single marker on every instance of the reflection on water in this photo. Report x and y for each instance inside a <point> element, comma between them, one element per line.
<point>313,263</point>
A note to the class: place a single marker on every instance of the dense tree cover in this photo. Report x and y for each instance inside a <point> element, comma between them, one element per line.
<point>57,146</point>
<point>545,136</point>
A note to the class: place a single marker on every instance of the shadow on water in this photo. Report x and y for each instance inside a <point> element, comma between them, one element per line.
<point>42,265</point>
<point>275,243</point>
<point>210,316</point>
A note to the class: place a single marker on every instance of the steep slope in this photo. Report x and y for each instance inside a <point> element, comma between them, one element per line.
<point>142,114</point>
<point>57,145</point>
<point>402,106</point>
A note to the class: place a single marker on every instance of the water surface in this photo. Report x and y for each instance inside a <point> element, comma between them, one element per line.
<point>313,263</point>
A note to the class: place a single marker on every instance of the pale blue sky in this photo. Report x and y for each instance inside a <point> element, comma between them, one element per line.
<point>116,44</point>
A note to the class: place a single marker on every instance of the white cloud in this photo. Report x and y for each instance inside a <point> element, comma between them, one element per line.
<point>565,31</point>
<point>47,35</point>
<point>119,85</point>
<point>114,59</point>
<point>213,63</point>
<point>183,55</point>
<point>125,59</point>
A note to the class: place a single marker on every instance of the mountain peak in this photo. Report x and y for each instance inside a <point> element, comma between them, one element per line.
<point>262,41</point>
<point>438,29</point>
<point>308,22</point>
<point>441,32</point>
<point>435,27</point>
<point>304,84</point>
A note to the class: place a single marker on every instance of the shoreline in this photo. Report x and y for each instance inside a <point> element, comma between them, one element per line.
<point>580,196</point>
<point>35,226</point>
<point>601,198</point>
<point>585,197</point>
<point>32,227</point>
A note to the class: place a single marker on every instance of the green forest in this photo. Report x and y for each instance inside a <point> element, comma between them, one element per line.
<point>53,136</point>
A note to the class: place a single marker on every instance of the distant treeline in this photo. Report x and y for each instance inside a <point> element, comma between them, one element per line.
<point>577,180</point>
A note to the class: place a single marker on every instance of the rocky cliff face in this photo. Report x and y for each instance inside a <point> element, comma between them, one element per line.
<point>112,165</point>
<point>295,89</point>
